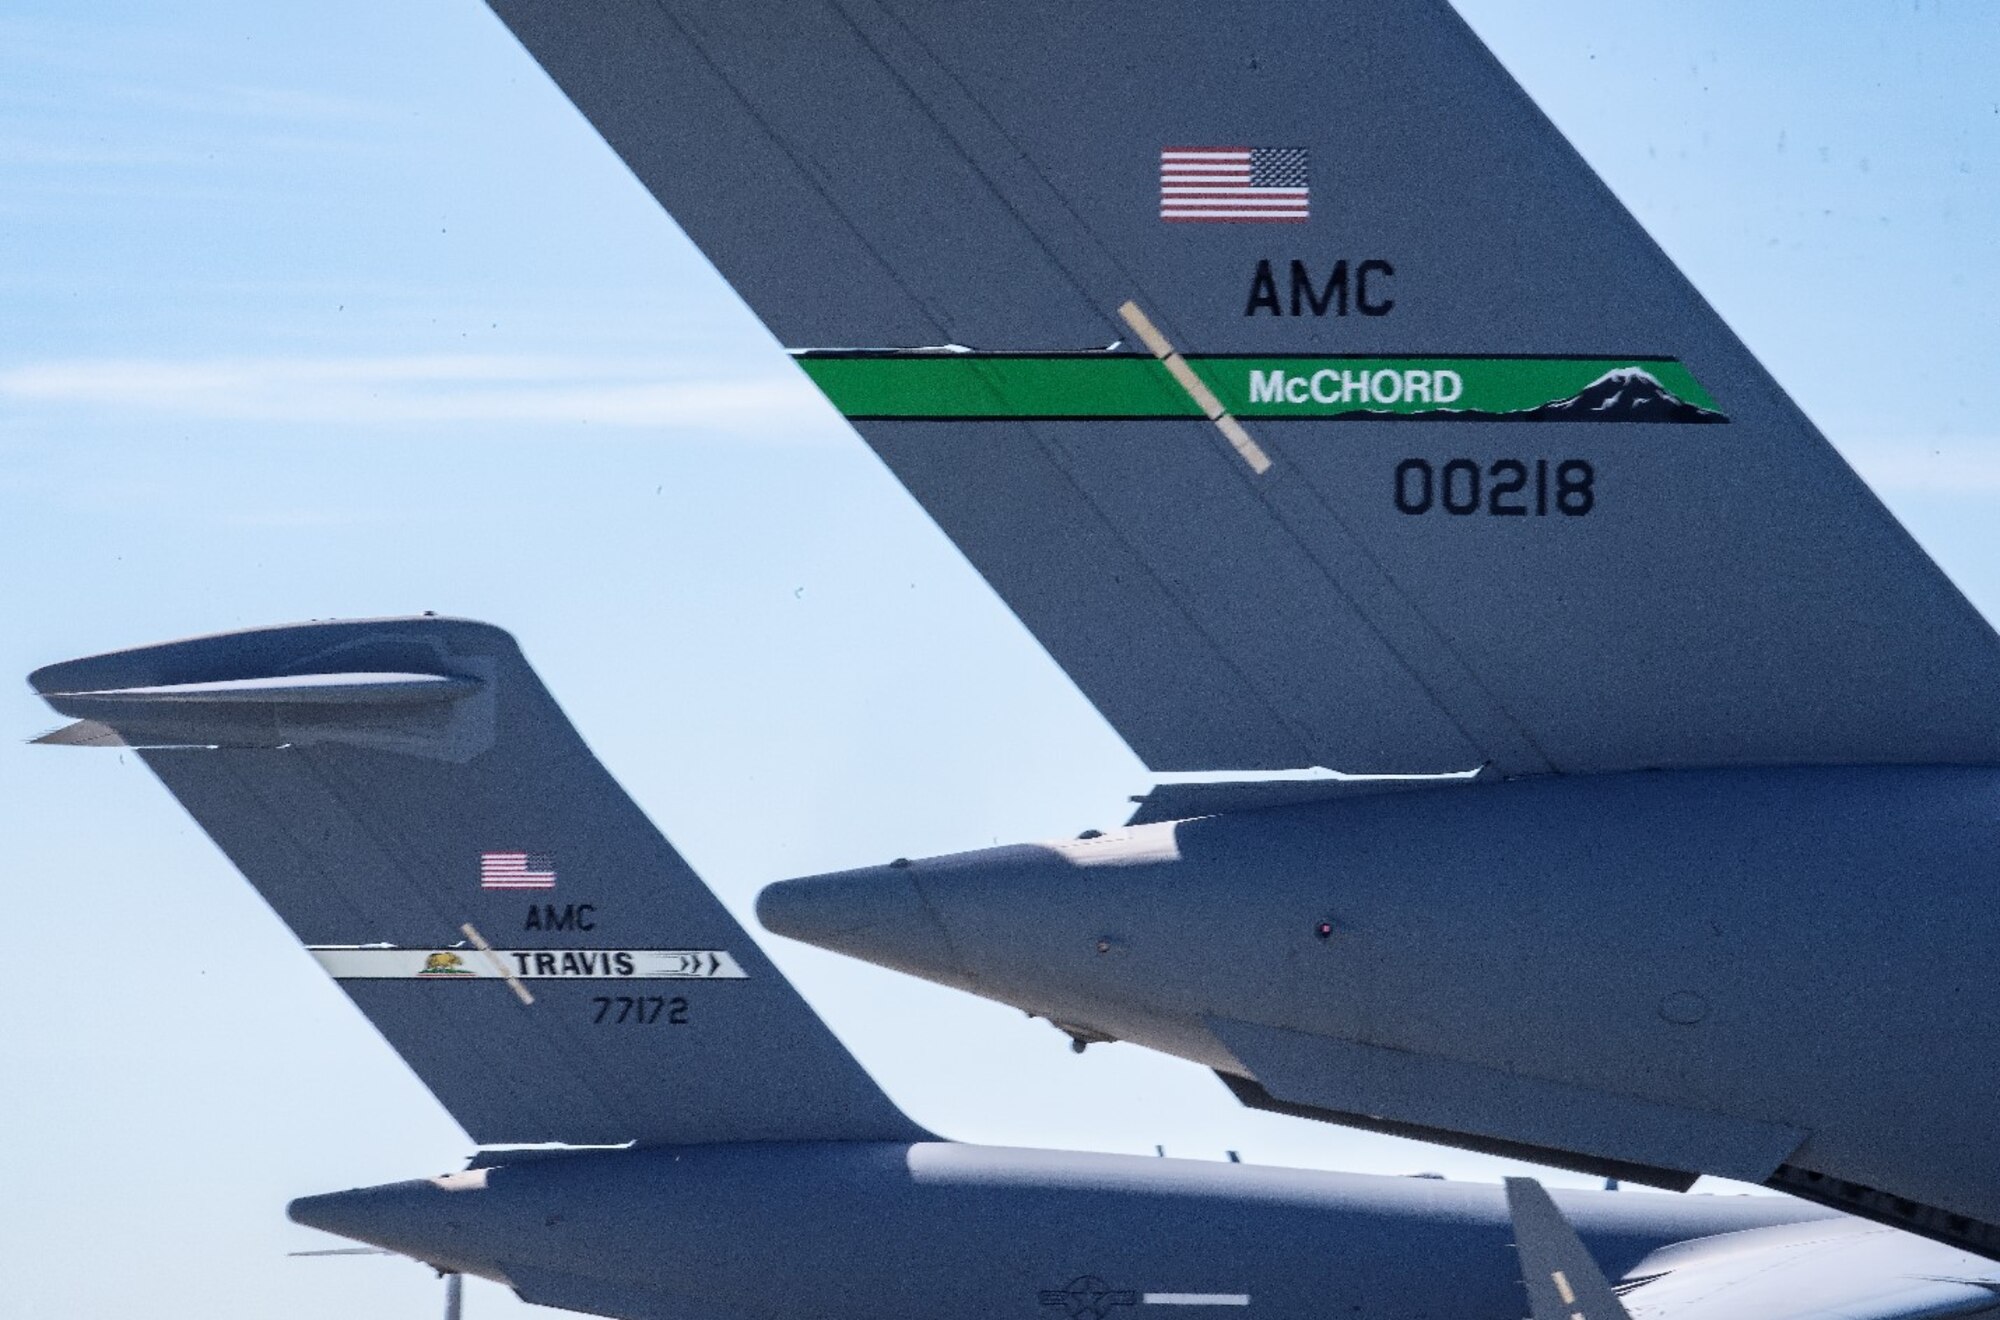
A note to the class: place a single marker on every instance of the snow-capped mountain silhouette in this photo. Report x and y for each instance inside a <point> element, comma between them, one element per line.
<point>1629,394</point>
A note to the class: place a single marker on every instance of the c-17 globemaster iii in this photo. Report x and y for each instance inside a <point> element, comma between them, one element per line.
<point>668,1133</point>
<point>1315,405</point>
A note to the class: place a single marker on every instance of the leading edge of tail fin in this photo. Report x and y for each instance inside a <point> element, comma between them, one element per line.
<point>1291,377</point>
<point>417,808</point>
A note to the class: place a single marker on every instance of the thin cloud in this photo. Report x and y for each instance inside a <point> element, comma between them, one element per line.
<point>430,388</point>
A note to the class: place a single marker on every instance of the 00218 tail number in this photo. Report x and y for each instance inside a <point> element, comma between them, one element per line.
<point>1505,488</point>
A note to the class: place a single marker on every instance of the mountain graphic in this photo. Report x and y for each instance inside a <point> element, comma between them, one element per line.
<point>1629,394</point>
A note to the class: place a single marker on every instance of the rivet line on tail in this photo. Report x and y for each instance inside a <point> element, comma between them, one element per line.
<point>1204,397</point>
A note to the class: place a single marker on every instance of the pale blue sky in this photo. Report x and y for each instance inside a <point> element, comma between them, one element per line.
<point>312,310</point>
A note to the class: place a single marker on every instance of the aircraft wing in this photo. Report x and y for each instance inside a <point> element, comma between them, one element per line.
<point>1826,1269</point>
<point>1291,377</point>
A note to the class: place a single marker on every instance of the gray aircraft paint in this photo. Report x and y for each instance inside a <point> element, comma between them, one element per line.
<point>953,214</point>
<point>1840,1267</point>
<point>1562,1280</point>
<point>858,1230</point>
<point>976,182</point>
<point>1843,1267</point>
<point>355,771</point>
<point>1776,975</point>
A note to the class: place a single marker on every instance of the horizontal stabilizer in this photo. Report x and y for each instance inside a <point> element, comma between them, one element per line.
<point>408,712</point>
<point>83,733</point>
<point>364,689</point>
<point>418,810</point>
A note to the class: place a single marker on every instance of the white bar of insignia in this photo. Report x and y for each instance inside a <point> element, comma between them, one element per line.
<point>464,964</point>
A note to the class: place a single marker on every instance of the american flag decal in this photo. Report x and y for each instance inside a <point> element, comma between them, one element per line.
<point>516,870</point>
<point>1234,184</point>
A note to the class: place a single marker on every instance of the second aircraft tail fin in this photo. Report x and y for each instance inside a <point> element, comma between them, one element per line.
<point>419,811</point>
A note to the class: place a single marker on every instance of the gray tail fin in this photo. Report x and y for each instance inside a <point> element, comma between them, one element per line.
<point>1563,1282</point>
<point>1292,379</point>
<point>419,811</point>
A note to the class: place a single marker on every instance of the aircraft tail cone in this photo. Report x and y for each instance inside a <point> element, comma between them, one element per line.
<point>878,914</point>
<point>419,1219</point>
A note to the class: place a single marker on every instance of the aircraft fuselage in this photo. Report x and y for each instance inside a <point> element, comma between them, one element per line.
<point>938,1231</point>
<point>1777,975</point>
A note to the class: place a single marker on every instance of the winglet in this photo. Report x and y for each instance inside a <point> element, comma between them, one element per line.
<point>1563,1282</point>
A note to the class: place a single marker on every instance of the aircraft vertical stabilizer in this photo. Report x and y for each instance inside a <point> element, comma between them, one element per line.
<point>418,810</point>
<point>1292,379</point>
